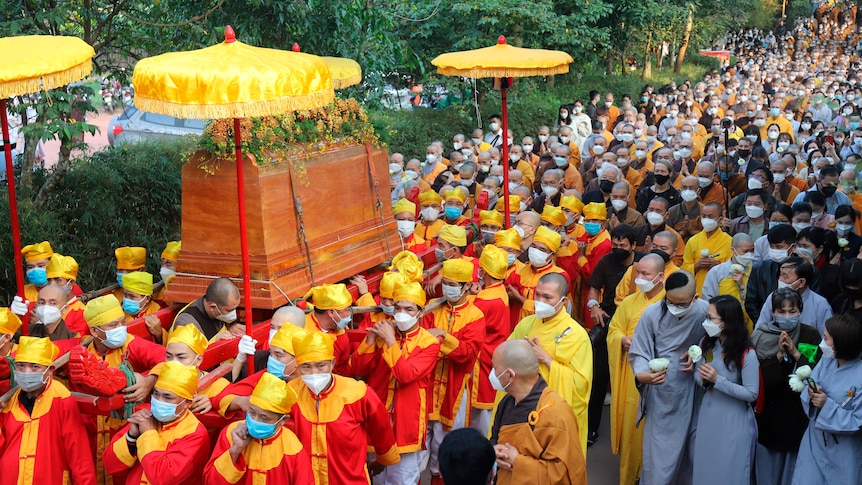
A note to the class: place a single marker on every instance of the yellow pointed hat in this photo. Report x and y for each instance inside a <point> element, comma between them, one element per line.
<point>129,258</point>
<point>455,235</point>
<point>491,218</point>
<point>62,267</point>
<point>34,350</point>
<point>329,297</point>
<point>408,264</point>
<point>313,347</point>
<point>596,210</point>
<point>191,336</point>
<point>9,322</point>
<point>138,282</point>
<point>549,237</point>
<point>178,379</point>
<point>508,238</point>
<point>553,215</point>
<point>102,310</point>
<point>172,250</point>
<point>572,203</point>
<point>459,270</point>
<point>273,394</point>
<point>455,194</point>
<point>37,252</point>
<point>494,261</point>
<point>404,205</point>
<point>430,197</point>
<point>412,292</point>
<point>283,339</point>
<point>388,282</point>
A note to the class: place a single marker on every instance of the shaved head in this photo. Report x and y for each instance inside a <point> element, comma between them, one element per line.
<point>652,262</point>
<point>289,314</point>
<point>221,290</point>
<point>519,356</point>
<point>557,280</point>
<point>682,284</point>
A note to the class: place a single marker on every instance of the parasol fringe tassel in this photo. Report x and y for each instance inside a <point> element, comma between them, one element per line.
<point>249,109</point>
<point>480,72</point>
<point>47,81</point>
<point>347,82</point>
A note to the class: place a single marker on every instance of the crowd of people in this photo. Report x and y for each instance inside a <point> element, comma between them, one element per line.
<point>690,257</point>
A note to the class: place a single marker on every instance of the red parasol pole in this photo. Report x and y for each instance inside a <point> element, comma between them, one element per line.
<point>504,83</point>
<point>230,37</point>
<point>13,204</point>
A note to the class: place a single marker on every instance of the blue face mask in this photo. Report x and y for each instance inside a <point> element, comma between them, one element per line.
<point>38,276</point>
<point>592,228</point>
<point>120,279</point>
<point>258,430</point>
<point>511,258</point>
<point>115,337</point>
<point>131,307</point>
<point>560,161</point>
<point>388,309</point>
<point>806,252</point>
<point>164,412</point>
<point>774,112</point>
<point>854,125</point>
<point>725,175</point>
<point>453,212</point>
<point>275,367</point>
<point>344,322</point>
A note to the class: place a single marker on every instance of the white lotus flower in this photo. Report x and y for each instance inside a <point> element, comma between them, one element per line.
<point>704,253</point>
<point>737,268</point>
<point>659,364</point>
<point>695,352</point>
<point>803,372</point>
<point>843,242</point>
<point>796,383</point>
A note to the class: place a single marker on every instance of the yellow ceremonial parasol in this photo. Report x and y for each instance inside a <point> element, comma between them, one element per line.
<point>232,80</point>
<point>34,63</point>
<point>506,62</point>
<point>345,72</point>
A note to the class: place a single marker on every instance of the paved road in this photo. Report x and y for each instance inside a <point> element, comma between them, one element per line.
<point>94,142</point>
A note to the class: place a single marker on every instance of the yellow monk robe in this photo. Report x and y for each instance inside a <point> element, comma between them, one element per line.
<point>570,374</point>
<point>728,286</point>
<point>428,231</point>
<point>47,446</point>
<point>718,246</point>
<point>628,287</point>
<point>626,438</point>
<point>277,460</point>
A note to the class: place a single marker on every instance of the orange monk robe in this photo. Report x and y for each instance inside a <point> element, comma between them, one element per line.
<point>337,427</point>
<point>545,454</point>
<point>340,341</point>
<point>141,355</point>
<point>634,178</point>
<point>525,282</point>
<point>400,376</point>
<point>428,231</point>
<point>575,155</point>
<point>626,437</point>
<point>597,246</point>
<point>627,285</point>
<point>527,170</point>
<point>465,331</point>
<point>47,446</point>
<point>174,453</point>
<point>856,201</point>
<point>573,178</point>
<point>415,244</point>
<point>494,303</point>
<point>278,460</point>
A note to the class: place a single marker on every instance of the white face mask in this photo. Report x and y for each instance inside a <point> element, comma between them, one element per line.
<point>316,383</point>
<point>48,315</point>
<point>598,149</point>
<point>678,311</point>
<point>431,158</point>
<point>688,195</point>
<point>405,228</point>
<point>645,286</point>
<point>828,351</point>
<point>619,205</point>
<point>712,329</point>
<point>708,224</point>
<point>495,380</point>
<point>640,154</point>
<point>520,230</point>
<point>754,184</point>
<point>753,212</point>
<point>543,138</point>
<point>654,218</point>
<point>550,191</point>
<point>650,139</point>
<point>404,321</point>
<point>777,255</point>
<point>495,126</point>
<point>228,317</point>
<point>544,310</point>
<point>843,229</point>
<point>627,137</point>
<point>430,214</point>
<point>799,226</point>
<point>166,273</point>
<point>452,293</point>
<point>527,148</point>
<point>538,258</point>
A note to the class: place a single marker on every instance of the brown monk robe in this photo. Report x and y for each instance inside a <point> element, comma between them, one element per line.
<point>535,433</point>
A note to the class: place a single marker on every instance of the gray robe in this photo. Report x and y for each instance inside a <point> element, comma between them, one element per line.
<point>669,409</point>
<point>726,430</point>
<point>832,444</point>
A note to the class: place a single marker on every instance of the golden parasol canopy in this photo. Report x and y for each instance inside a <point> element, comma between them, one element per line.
<point>230,80</point>
<point>503,60</point>
<point>345,72</point>
<point>34,63</point>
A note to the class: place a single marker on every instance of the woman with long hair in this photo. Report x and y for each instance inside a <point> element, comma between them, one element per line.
<point>729,374</point>
<point>832,444</point>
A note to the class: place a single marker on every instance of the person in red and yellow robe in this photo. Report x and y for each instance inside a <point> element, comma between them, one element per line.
<point>113,344</point>
<point>493,301</point>
<point>405,217</point>
<point>397,360</point>
<point>597,245</point>
<point>168,269</point>
<point>138,303</point>
<point>36,258</point>
<point>129,259</point>
<point>42,435</point>
<point>510,241</point>
<point>460,327</point>
<point>261,450</point>
<point>430,222</point>
<point>489,223</point>
<point>555,219</point>
<point>337,418</point>
<point>385,290</point>
<point>234,399</point>
<point>165,444</point>
<point>63,271</point>
<point>331,316</point>
<point>522,285</point>
<point>455,202</point>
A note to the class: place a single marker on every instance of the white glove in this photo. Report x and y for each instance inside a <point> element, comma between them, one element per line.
<point>19,306</point>
<point>246,347</point>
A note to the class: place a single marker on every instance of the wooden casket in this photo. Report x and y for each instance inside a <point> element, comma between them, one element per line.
<point>345,230</point>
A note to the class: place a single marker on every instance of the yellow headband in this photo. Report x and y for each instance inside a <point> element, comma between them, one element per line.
<point>37,252</point>
<point>62,267</point>
<point>172,250</point>
<point>178,379</point>
<point>283,339</point>
<point>459,270</point>
<point>404,205</point>
<point>508,238</point>
<point>412,292</point>
<point>313,347</point>
<point>549,237</point>
<point>273,394</point>
<point>129,258</point>
<point>409,265</point>
<point>138,282</point>
<point>596,210</point>
<point>330,297</point>
<point>191,336</point>
<point>494,261</point>
<point>553,215</point>
<point>34,350</point>
<point>102,310</point>
<point>455,235</point>
<point>491,218</point>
